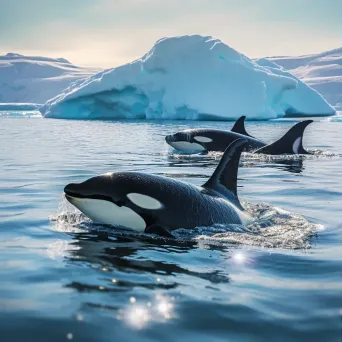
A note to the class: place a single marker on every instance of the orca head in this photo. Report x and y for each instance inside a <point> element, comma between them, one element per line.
<point>111,199</point>
<point>189,141</point>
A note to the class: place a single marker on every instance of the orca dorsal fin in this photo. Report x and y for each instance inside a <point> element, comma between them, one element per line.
<point>290,143</point>
<point>239,126</point>
<point>225,175</point>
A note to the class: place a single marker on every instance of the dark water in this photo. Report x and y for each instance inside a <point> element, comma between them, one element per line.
<point>61,280</point>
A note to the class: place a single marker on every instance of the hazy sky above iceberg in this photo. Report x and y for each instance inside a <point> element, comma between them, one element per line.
<point>107,33</point>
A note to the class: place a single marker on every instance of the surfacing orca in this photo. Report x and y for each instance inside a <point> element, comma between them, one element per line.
<point>205,140</point>
<point>156,204</point>
<point>239,126</point>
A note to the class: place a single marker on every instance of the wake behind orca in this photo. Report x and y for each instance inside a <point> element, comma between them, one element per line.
<point>204,140</point>
<point>156,204</point>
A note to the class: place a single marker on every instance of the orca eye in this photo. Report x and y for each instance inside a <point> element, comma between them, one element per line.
<point>203,139</point>
<point>144,201</point>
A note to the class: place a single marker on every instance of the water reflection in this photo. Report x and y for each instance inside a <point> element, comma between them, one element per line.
<point>116,266</point>
<point>138,315</point>
<point>180,160</point>
<point>290,165</point>
<point>293,164</point>
<point>134,254</point>
<point>239,257</point>
<point>164,306</point>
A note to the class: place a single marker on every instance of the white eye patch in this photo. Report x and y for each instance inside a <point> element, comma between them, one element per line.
<point>144,201</point>
<point>296,145</point>
<point>187,147</point>
<point>203,139</point>
<point>101,211</point>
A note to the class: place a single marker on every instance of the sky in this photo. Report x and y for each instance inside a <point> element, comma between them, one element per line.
<point>107,33</point>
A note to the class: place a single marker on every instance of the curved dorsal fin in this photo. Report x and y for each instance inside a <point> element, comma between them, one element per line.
<point>290,143</point>
<point>239,126</point>
<point>224,178</point>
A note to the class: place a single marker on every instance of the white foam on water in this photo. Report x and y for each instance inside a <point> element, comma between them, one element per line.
<point>68,219</point>
<point>272,227</point>
<point>246,156</point>
<point>20,114</point>
<point>315,154</point>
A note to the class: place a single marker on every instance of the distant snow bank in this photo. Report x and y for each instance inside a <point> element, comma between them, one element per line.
<point>189,77</point>
<point>19,106</point>
<point>36,79</point>
<point>20,114</point>
<point>335,118</point>
<point>322,72</point>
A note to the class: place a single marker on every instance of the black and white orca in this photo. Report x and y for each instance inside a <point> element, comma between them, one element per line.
<point>156,204</point>
<point>205,140</point>
<point>239,126</point>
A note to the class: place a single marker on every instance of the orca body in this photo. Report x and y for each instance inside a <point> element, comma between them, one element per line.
<point>290,143</point>
<point>156,204</point>
<point>205,140</point>
<point>239,126</point>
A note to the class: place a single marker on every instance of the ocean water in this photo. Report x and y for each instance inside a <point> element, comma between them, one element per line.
<point>63,278</point>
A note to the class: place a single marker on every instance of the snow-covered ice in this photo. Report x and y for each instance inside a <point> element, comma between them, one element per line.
<point>301,100</point>
<point>36,79</point>
<point>189,77</point>
<point>322,72</point>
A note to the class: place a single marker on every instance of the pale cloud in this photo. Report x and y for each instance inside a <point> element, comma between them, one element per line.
<point>108,33</point>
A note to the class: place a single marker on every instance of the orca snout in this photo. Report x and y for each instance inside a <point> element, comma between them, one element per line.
<point>180,136</point>
<point>170,138</point>
<point>71,189</point>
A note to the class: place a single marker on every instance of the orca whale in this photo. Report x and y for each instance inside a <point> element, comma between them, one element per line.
<point>156,204</point>
<point>239,126</point>
<point>205,140</point>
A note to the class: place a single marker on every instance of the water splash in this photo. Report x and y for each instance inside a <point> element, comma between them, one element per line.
<point>315,154</point>
<point>68,219</point>
<point>248,156</point>
<point>20,114</point>
<point>272,227</point>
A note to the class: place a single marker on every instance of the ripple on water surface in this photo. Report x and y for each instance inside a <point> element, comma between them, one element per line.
<point>65,278</point>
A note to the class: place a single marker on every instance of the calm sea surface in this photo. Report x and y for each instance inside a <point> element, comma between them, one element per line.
<point>62,278</point>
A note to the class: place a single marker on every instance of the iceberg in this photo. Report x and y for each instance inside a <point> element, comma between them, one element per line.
<point>189,77</point>
<point>322,72</point>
